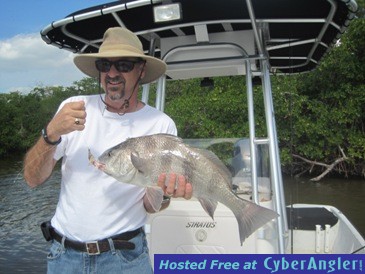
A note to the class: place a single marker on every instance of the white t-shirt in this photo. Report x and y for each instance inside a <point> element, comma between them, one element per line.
<point>93,205</point>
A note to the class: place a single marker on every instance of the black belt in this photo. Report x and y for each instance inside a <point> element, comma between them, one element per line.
<point>96,247</point>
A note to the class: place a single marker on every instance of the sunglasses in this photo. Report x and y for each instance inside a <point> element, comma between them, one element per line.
<point>104,65</point>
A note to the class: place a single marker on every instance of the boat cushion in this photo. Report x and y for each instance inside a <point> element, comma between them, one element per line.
<point>306,218</point>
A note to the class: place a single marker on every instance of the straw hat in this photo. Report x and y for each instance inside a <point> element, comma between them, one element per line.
<point>120,42</point>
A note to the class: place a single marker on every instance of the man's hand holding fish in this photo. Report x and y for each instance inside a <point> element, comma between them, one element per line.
<point>173,185</point>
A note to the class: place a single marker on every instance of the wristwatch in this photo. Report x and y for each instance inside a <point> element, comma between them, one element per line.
<point>45,138</point>
<point>166,199</point>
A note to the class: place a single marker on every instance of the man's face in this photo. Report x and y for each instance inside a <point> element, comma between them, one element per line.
<point>119,76</point>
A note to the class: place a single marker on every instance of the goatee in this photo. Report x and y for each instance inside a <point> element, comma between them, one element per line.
<point>115,88</point>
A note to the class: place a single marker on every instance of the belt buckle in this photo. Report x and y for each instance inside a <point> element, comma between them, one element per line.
<point>92,248</point>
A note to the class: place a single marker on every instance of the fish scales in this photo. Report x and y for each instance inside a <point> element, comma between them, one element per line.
<point>141,160</point>
<point>166,164</point>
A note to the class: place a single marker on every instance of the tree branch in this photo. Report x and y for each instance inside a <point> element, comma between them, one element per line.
<point>328,167</point>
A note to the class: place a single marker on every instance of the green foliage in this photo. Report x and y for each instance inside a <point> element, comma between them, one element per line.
<point>201,112</point>
<point>361,8</point>
<point>333,114</point>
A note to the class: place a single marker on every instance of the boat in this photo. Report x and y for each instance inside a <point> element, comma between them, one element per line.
<point>253,39</point>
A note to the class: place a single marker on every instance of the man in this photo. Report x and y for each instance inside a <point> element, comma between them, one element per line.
<point>97,223</point>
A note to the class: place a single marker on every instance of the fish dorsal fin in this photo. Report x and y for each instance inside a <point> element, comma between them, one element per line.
<point>216,161</point>
<point>171,137</point>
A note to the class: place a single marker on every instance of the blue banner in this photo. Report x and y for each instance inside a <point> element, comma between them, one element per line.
<point>259,264</point>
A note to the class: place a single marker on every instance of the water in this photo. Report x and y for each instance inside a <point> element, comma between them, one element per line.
<point>22,246</point>
<point>23,249</point>
<point>346,195</point>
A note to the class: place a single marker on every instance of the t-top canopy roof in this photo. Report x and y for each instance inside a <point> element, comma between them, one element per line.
<point>293,34</point>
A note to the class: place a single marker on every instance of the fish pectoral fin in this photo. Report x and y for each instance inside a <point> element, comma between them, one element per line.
<point>139,163</point>
<point>208,205</point>
<point>154,195</point>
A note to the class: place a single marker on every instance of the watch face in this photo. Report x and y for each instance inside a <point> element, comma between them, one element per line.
<point>166,199</point>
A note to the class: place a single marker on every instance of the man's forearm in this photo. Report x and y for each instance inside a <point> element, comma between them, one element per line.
<point>39,163</point>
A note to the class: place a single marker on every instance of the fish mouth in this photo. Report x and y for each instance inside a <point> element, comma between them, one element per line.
<point>95,163</point>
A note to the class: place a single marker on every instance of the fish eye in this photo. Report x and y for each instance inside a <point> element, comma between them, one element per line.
<point>109,154</point>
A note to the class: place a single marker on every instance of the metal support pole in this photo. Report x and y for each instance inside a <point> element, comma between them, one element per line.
<point>251,121</point>
<point>274,155</point>
<point>160,96</point>
<point>254,27</point>
<point>163,92</point>
<point>145,93</point>
<point>146,87</point>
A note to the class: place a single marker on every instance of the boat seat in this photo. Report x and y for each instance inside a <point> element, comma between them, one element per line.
<point>306,218</point>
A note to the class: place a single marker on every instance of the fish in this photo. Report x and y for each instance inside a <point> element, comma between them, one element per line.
<point>141,160</point>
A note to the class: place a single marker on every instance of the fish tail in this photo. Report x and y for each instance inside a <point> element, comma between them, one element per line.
<point>250,217</point>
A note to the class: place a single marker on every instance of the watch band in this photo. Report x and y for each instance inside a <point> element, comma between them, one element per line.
<point>45,138</point>
<point>166,199</point>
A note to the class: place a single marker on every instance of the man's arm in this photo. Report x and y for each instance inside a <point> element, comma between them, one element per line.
<point>39,161</point>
